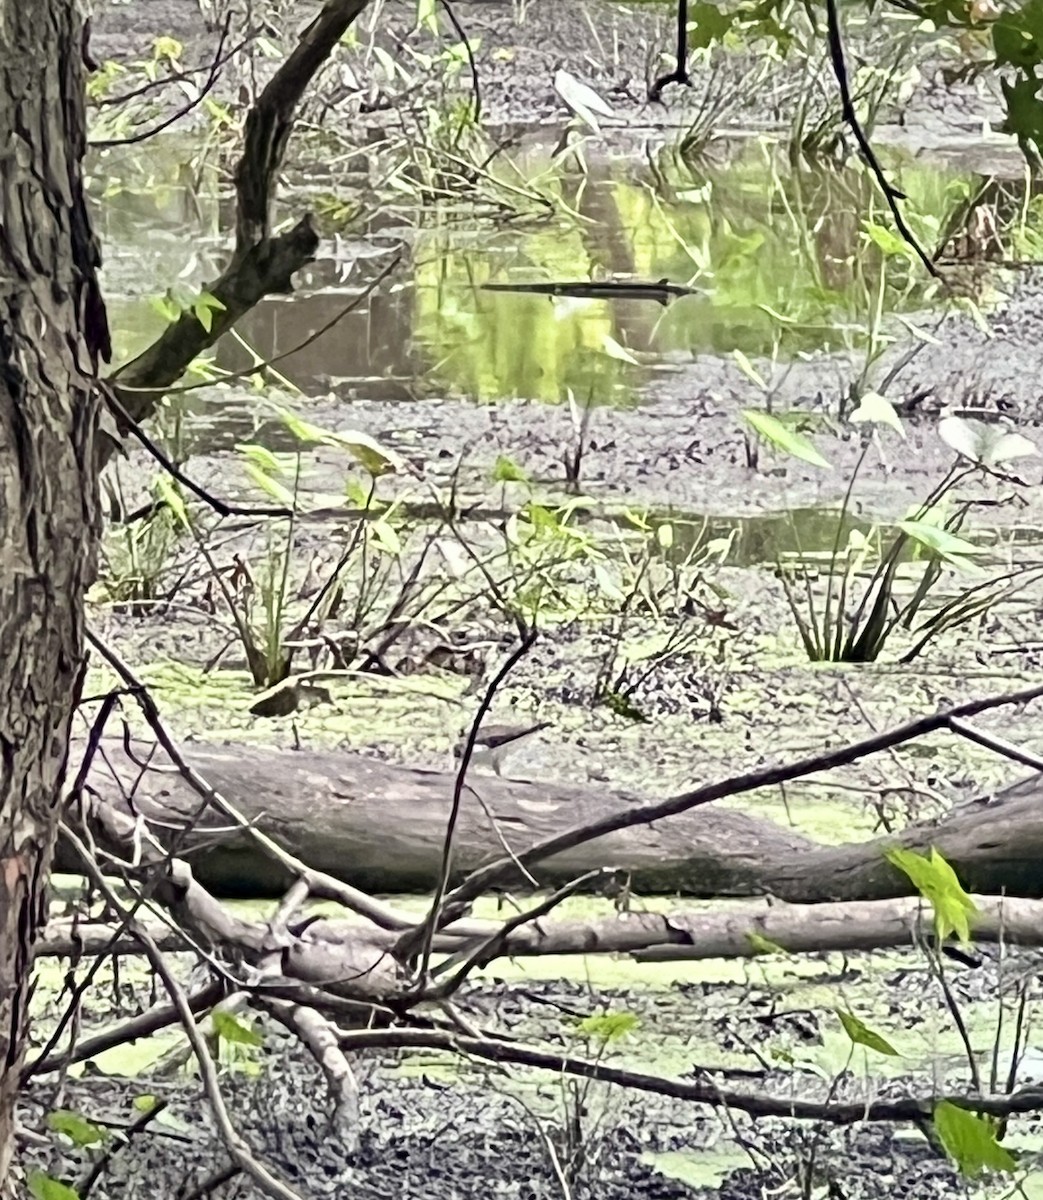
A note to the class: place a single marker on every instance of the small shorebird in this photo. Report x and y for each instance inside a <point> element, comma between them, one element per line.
<point>495,742</point>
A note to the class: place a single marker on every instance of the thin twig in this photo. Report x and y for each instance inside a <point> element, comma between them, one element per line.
<point>221,507</point>
<point>891,193</point>
<point>173,118</point>
<point>909,1108</point>
<point>426,932</point>
<point>270,1184</point>
<point>484,877</point>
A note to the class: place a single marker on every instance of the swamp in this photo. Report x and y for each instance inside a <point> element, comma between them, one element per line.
<point>686,403</point>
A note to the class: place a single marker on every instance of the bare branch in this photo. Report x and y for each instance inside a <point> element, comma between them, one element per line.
<point>479,881</point>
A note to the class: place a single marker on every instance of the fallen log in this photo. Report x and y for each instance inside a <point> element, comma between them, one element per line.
<point>734,930</point>
<point>380,828</point>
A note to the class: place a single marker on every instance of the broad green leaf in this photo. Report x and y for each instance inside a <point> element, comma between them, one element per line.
<point>581,100</point>
<point>427,16</point>
<point>232,1030</point>
<point>44,1187</point>
<point>76,1128</point>
<point>204,307</point>
<point>953,549</point>
<point>144,1103</point>
<point>167,47</point>
<point>374,458</point>
<point>609,587</point>
<point>936,881</point>
<point>970,1141</point>
<point>609,1027</point>
<point>861,1035</point>
<point>272,487</point>
<point>167,307</point>
<point>983,442</point>
<point>783,438</point>
<point>878,410</point>
<point>708,23</point>
<point>385,536</point>
<point>261,456</point>
<point>892,244</point>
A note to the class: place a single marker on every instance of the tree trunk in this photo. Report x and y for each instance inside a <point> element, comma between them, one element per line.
<point>52,333</point>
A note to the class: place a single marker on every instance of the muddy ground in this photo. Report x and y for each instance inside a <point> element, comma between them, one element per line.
<point>441,1130</point>
<point>741,697</point>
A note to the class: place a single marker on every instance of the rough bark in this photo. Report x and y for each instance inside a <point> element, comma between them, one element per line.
<point>52,333</point>
<point>380,828</point>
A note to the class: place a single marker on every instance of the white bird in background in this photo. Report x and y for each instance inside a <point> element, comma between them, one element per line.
<point>582,101</point>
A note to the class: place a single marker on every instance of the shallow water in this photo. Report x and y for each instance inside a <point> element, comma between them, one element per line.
<point>781,253</point>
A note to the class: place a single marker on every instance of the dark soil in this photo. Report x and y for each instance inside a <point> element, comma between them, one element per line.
<point>470,1132</point>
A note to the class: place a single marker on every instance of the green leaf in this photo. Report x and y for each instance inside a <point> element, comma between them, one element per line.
<point>763,945</point>
<point>385,536</point>
<point>76,1127</point>
<point>936,881</point>
<point>45,1187</point>
<point>427,16</point>
<point>506,470</point>
<point>167,47</point>
<point>581,100</point>
<point>261,457</point>
<point>861,1035</point>
<point>609,587</point>
<point>374,458</point>
<point>1024,110</point>
<point>203,308</point>
<point>970,1140</point>
<point>144,1103</point>
<point>614,350</point>
<point>170,494</point>
<point>783,438</point>
<point>610,1026</point>
<point>232,1030</point>
<point>280,494</point>
<point>167,307</point>
<point>892,244</point>
<point>708,23</point>
<point>749,370</point>
<point>940,541</point>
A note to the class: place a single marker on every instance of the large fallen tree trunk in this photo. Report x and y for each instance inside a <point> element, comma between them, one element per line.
<point>381,828</point>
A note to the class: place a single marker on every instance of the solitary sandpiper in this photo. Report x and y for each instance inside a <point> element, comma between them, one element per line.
<point>495,742</point>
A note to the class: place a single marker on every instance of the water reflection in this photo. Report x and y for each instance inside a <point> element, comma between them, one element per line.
<point>781,251</point>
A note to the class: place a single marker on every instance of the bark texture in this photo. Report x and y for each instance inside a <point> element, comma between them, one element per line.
<point>380,828</point>
<point>52,334</point>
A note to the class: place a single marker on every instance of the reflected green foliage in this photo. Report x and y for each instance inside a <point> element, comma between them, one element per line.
<point>787,258</point>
